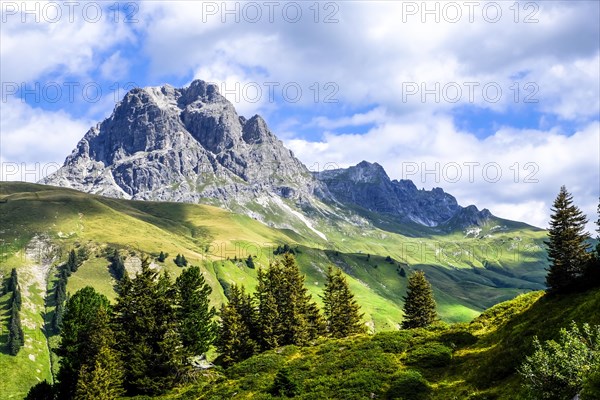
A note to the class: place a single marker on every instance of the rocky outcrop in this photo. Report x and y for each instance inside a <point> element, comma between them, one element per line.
<point>367,186</point>
<point>163,143</point>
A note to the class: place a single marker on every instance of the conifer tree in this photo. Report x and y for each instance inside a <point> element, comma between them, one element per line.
<point>178,261</point>
<point>75,348</point>
<point>13,281</point>
<point>100,376</point>
<point>72,261</point>
<point>268,324</point>
<point>197,329</point>
<point>250,262</point>
<point>342,312</point>
<point>117,265</point>
<point>567,247</point>
<point>147,332</point>
<point>419,305</point>
<point>16,339</point>
<point>287,314</point>
<point>162,257</point>
<point>235,333</point>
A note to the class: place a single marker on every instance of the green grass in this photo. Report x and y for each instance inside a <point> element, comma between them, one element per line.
<point>469,272</point>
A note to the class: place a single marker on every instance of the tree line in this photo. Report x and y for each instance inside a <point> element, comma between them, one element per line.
<point>143,343</point>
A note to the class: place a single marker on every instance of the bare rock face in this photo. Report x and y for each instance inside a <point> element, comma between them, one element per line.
<point>163,143</point>
<point>368,186</point>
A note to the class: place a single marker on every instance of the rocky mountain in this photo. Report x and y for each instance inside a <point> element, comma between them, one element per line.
<point>190,145</point>
<point>368,186</point>
<point>163,143</point>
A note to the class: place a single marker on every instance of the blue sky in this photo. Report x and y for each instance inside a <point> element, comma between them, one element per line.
<point>508,86</point>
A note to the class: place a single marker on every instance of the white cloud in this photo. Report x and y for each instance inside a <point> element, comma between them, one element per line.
<point>34,142</point>
<point>372,56</point>
<point>31,49</point>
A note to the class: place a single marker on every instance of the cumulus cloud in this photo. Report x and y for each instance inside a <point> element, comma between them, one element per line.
<point>34,142</point>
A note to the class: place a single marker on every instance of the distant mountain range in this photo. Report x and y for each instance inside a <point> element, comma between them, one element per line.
<point>190,145</point>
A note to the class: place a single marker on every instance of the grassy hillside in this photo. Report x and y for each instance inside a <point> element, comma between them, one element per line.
<point>470,270</point>
<point>475,360</point>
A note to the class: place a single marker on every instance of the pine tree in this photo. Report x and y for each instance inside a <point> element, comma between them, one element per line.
<point>101,376</point>
<point>13,281</point>
<point>162,257</point>
<point>16,339</point>
<point>235,339</point>
<point>117,265</point>
<point>341,310</point>
<point>178,261</point>
<point>268,313</point>
<point>419,305</point>
<point>72,262</point>
<point>75,348</point>
<point>184,262</point>
<point>567,247</point>
<point>287,314</point>
<point>250,262</point>
<point>198,329</point>
<point>147,332</point>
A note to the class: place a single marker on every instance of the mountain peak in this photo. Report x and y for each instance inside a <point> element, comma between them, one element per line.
<point>183,144</point>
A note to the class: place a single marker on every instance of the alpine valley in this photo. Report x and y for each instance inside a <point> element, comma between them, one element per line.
<point>178,171</point>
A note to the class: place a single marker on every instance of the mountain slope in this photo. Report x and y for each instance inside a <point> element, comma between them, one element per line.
<point>469,269</point>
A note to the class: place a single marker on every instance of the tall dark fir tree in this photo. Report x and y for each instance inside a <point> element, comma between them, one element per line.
<point>147,332</point>
<point>419,304</point>
<point>195,313</point>
<point>342,312</point>
<point>567,247</point>
<point>237,330</point>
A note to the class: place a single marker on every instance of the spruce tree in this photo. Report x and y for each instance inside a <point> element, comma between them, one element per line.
<point>235,339</point>
<point>268,324</point>
<point>13,281</point>
<point>162,257</point>
<point>419,305</point>
<point>567,247</point>
<point>100,376</point>
<point>72,262</point>
<point>342,312</point>
<point>16,339</point>
<point>198,329</point>
<point>250,262</point>
<point>75,349</point>
<point>287,314</point>
<point>117,265</point>
<point>147,334</point>
<point>178,260</point>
